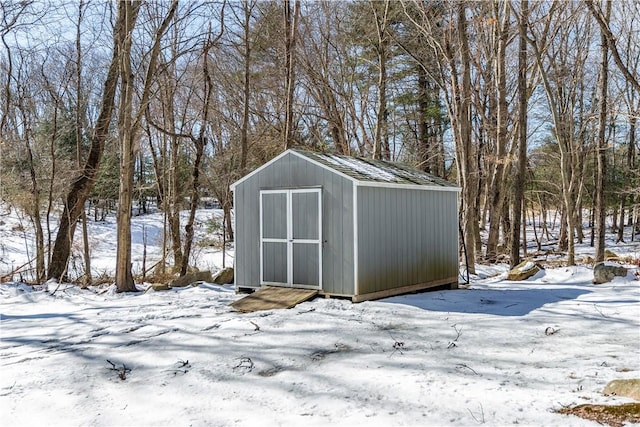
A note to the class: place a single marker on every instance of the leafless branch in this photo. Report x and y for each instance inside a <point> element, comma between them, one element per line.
<point>122,372</point>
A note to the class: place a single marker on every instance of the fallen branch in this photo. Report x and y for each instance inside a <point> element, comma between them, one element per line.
<point>397,346</point>
<point>599,311</point>
<point>122,372</point>
<point>551,331</point>
<point>459,332</point>
<point>245,364</point>
<point>462,365</point>
<point>9,276</point>
<point>183,367</point>
<point>481,420</point>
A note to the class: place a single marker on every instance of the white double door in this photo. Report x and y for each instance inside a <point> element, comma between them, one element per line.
<point>291,237</point>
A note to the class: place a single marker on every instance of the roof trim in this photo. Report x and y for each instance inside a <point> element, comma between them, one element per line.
<point>281,155</point>
<point>406,186</point>
<point>323,166</point>
<point>255,171</point>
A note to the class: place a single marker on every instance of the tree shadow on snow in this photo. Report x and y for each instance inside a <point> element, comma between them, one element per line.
<point>508,302</point>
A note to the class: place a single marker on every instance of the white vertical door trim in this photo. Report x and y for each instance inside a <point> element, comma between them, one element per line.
<point>320,239</point>
<point>261,249</point>
<point>355,239</point>
<point>289,239</point>
<point>234,228</point>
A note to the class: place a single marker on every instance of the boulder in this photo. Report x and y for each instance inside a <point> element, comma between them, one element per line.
<point>605,272</point>
<point>523,271</point>
<point>610,255</point>
<point>190,278</point>
<point>625,388</point>
<point>223,277</point>
<point>160,286</point>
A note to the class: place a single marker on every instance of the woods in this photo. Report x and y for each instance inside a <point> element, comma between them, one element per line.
<point>530,107</point>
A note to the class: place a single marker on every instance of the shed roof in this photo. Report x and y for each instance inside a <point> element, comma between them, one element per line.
<point>364,169</point>
<point>369,172</point>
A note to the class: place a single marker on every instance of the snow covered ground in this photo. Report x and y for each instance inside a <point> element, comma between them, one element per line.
<point>498,353</point>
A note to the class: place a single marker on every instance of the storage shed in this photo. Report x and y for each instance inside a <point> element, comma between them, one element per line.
<point>346,226</point>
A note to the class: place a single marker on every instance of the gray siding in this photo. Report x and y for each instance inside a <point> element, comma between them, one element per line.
<point>291,171</point>
<point>405,237</point>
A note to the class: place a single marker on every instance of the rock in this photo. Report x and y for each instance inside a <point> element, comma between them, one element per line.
<point>610,255</point>
<point>160,286</point>
<point>625,388</point>
<point>587,260</point>
<point>603,272</point>
<point>523,271</point>
<point>190,278</point>
<point>223,276</point>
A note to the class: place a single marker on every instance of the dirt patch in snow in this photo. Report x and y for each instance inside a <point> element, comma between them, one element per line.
<point>615,416</point>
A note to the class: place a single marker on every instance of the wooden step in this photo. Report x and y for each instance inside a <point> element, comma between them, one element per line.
<point>273,298</point>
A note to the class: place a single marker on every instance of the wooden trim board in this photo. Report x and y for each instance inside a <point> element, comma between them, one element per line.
<point>452,281</point>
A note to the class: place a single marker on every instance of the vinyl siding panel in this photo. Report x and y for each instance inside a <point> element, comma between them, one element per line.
<point>247,264</point>
<point>406,237</point>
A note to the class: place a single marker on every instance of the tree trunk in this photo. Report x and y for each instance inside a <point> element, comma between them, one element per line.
<point>124,277</point>
<point>620,231</point>
<point>291,30</point>
<point>430,150</point>
<point>563,234</point>
<point>79,113</point>
<point>602,144</point>
<point>469,182</point>
<point>244,131</point>
<point>35,211</point>
<point>174,204</point>
<point>629,166</point>
<point>381,137</point>
<point>518,196</point>
<point>195,197</point>
<point>496,194</point>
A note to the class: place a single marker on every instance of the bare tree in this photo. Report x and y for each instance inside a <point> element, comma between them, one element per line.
<point>246,86</point>
<point>83,183</point>
<point>325,61</point>
<point>126,130</point>
<point>518,197</point>
<point>449,41</point>
<point>629,16</point>
<point>79,136</point>
<point>601,147</point>
<point>291,32</point>
<point>497,186</point>
<point>381,132</point>
<point>603,21</point>
<point>199,142</point>
<point>129,125</point>
<point>561,40</point>
<point>26,107</point>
